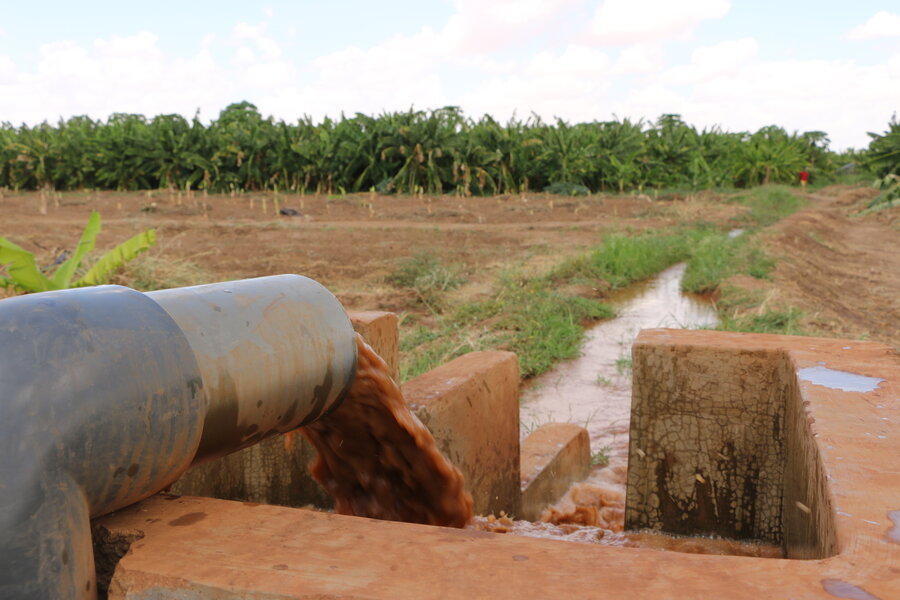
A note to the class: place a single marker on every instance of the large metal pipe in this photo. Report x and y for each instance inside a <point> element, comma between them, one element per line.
<point>108,395</point>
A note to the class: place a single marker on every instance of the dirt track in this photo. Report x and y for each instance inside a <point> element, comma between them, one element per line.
<point>842,271</point>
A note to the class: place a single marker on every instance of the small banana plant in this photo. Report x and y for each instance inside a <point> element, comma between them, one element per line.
<point>23,274</point>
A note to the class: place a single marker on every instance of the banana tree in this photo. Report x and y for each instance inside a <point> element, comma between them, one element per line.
<point>883,156</point>
<point>177,158</point>
<point>124,153</point>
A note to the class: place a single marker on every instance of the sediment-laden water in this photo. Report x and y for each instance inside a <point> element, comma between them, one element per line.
<point>378,460</point>
<point>594,390</point>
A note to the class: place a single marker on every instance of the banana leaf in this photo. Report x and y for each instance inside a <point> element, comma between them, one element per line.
<point>5,243</point>
<point>21,268</point>
<point>117,257</point>
<point>62,278</point>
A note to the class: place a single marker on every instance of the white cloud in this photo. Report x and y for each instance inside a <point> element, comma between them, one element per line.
<point>481,26</point>
<point>394,75</point>
<point>840,97</point>
<point>639,58</point>
<point>881,25</point>
<point>7,69</point>
<point>256,34</point>
<point>709,62</point>
<point>141,46</point>
<point>118,74</point>
<point>632,21</point>
<point>575,61</point>
<point>893,66</point>
<point>573,85</point>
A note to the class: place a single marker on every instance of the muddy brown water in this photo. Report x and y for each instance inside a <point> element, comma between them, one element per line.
<point>594,390</point>
<point>378,460</point>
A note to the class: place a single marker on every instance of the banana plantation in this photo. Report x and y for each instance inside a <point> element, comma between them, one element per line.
<point>437,151</point>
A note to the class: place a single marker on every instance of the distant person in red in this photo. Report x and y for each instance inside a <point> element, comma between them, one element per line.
<point>804,177</point>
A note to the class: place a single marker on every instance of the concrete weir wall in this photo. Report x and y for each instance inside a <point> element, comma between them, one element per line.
<point>722,443</point>
<point>553,457</point>
<point>815,464</point>
<point>471,407</point>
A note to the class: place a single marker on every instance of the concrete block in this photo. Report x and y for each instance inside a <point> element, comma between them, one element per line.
<point>554,456</point>
<point>707,422</point>
<point>381,331</point>
<point>471,407</point>
<point>727,437</point>
<point>276,471</point>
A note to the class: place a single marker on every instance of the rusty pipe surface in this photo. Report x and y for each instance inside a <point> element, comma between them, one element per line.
<point>275,353</point>
<point>108,395</point>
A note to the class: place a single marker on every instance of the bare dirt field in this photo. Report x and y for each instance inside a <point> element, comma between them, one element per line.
<point>350,243</point>
<point>842,271</point>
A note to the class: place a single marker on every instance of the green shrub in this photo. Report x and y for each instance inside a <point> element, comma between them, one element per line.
<point>427,277</point>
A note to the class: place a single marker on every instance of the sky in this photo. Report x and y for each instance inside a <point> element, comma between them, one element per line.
<point>738,64</point>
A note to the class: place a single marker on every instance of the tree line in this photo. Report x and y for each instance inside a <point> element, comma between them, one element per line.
<point>433,151</point>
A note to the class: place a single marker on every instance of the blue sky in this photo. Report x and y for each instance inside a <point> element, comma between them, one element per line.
<point>740,64</point>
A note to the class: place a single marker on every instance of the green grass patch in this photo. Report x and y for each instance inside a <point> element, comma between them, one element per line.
<point>715,257</point>
<point>744,310</point>
<point>427,348</point>
<point>785,321</point>
<point>543,326</point>
<point>768,204</point>
<point>526,315</point>
<point>621,259</point>
<point>711,255</point>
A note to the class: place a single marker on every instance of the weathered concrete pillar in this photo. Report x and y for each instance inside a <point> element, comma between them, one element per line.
<point>471,407</point>
<point>722,440</point>
<point>706,450</point>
